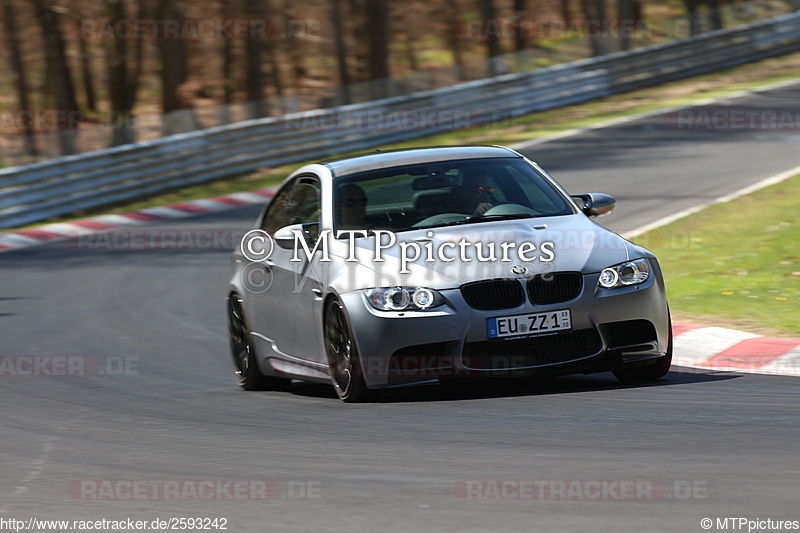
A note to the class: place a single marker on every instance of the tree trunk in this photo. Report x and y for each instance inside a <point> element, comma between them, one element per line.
<point>228,80</point>
<point>489,16</point>
<point>626,23</point>
<point>18,66</point>
<point>295,44</point>
<point>275,63</point>
<point>174,55</point>
<point>520,40</point>
<point>453,39</point>
<point>602,17</point>
<point>594,14</point>
<point>411,54</point>
<point>360,34</point>
<point>255,81</point>
<point>378,37</point>
<point>341,51</point>
<point>715,14</point>
<point>566,13</point>
<point>86,68</point>
<point>123,81</point>
<point>58,71</point>
<point>693,16</point>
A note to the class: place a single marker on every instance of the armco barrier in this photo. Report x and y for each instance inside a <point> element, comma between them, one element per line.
<point>41,190</point>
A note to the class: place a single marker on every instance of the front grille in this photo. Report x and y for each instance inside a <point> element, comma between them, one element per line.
<point>531,351</point>
<point>493,294</point>
<point>555,287</point>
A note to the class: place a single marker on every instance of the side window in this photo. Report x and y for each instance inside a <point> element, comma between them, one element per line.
<point>306,201</point>
<point>279,213</point>
<point>297,203</point>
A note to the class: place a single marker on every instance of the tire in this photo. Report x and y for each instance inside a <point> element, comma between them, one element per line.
<point>245,364</point>
<point>651,372</point>
<point>345,370</point>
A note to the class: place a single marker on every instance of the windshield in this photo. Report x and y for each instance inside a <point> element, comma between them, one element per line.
<point>444,194</point>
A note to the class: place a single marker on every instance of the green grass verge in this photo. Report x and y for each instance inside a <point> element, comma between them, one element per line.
<point>736,264</point>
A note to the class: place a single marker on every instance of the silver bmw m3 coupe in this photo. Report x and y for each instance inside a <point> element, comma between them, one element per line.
<point>449,263</point>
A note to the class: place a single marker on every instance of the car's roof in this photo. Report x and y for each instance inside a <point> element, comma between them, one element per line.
<point>411,156</point>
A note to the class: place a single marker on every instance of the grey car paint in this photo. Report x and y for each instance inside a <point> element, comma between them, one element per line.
<point>286,320</point>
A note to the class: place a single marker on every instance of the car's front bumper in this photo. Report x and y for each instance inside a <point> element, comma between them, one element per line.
<point>610,327</point>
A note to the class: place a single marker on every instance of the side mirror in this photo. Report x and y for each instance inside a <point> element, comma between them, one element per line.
<point>285,236</point>
<point>596,204</point>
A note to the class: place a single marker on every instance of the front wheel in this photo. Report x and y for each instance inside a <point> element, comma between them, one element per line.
<point>248,375</point>
<point>651,372</point>
<point>343,356</point>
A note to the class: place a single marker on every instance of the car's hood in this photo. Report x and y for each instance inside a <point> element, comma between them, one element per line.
<point>564,243</point>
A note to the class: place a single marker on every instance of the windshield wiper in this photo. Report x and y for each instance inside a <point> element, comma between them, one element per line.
<point>472,220</point>
<point>505,216</point>
<point>442,225</point>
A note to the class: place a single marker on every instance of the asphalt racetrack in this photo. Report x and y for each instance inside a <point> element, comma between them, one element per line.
<point>152,425</point>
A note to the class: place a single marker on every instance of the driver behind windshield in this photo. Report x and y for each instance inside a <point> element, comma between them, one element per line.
<point>352,207</point>
<point>475,195</point>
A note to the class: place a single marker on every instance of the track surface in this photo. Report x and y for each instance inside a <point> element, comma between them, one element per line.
<point>176,414</point>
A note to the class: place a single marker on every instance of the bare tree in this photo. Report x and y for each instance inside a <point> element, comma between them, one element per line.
<point>453,38</point>
<point>174,56</point>
<point>489,16</point>
<point>625,16</point>
<point>594,11</point>
<point>693,15</point>
<point>378,35</point>
<point>123,79</point>
<point>255,81</point>
<point>566,13</point>
<point>359,57</point>
<point>715,14</point>
<point>18,66</point>
<point>520,40</point>
<point>341,51</point>
<point>228,80</point>
<point>58,70</point>
<point>275,62</point>
<point>294,41</point>
<point>86,64</point>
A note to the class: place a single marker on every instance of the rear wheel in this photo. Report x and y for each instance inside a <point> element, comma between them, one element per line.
<point>248,375</point>
<point>651,372</point>
<point>342,356</point>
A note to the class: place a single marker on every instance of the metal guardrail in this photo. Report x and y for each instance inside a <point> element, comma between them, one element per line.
<point>38,191</point>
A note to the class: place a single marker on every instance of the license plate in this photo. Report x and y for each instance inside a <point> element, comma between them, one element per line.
<point>529,324</point>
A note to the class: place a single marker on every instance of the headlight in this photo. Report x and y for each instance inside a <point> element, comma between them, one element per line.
<point>629,273</point>
<point>403,299</point>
